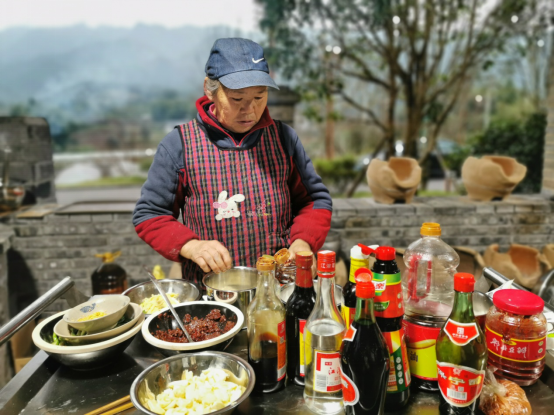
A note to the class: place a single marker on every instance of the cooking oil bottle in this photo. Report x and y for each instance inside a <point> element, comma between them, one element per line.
<point>109,278</point>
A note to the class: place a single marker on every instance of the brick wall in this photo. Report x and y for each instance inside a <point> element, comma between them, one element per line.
<point>47,249</point>
<point>521,219</point>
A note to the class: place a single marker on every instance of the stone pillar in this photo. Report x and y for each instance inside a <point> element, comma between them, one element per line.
<point>6,370</point>
<point>548,167</point>
<point>31,162</point>
<point>281,104</point>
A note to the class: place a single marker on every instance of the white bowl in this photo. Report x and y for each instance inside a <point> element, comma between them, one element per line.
<point>113,305</point>
<point>170,348</point>
<point>84,356</point>
<point>62,328</point>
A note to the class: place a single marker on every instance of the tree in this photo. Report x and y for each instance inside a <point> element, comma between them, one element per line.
<point>420,53</point>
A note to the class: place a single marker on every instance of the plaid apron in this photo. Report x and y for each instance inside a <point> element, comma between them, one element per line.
<point>239,197</point>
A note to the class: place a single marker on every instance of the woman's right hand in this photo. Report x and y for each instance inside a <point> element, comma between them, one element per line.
<point>209,255</point>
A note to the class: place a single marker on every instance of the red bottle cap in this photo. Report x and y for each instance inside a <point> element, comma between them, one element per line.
<point>464,282</point>
<point>364,285</point>
<point>386,253</point>
<point>519,302</point>
<point>381,253</point>
<point>326,262</point>
<point>362,270</point>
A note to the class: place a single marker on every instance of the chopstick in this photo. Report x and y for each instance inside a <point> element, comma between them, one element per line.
<point>114,408</point>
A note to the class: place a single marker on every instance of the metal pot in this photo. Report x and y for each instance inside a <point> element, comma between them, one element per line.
<point>236,286</point>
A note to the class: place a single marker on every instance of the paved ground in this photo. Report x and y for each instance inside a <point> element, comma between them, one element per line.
<point>69,196</point>
<point>132,193</point>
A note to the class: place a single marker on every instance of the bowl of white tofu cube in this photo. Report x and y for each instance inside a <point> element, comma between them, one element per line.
<point>209,382</point>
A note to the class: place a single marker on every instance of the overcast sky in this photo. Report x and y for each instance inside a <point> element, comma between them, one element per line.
<point>127,13</point>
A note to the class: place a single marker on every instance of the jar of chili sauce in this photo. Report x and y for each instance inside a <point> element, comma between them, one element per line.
<point>515,330</point>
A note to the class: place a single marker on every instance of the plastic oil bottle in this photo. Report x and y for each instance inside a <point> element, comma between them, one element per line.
<point>428,288</point>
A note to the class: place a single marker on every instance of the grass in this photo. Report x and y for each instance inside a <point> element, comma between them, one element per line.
<point>106,182</point>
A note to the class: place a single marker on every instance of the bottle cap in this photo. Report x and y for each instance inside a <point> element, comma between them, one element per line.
<point>326,262</point>
<point>265,264</point>
<point>364,284</point>
<point>381,253</point>
<point>357,253</point>
<point>362,270</point>
<point>282,256</point>
<point>464,282</point>
<point>519,302</point>
<point>430,229</point>
<point>304,259</point>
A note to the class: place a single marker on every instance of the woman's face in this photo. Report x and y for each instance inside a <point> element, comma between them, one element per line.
<point>239,110</point>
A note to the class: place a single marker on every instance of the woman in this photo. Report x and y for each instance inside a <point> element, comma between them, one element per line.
<point>242,181</point>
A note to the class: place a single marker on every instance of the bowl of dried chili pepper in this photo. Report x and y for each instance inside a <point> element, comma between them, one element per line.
<point>211,325</point>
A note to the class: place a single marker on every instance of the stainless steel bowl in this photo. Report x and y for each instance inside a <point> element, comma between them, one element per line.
<point>164,321</point>
<point>186,291</point>
<point>237,286</point>
<point>286,291</point>
<point>99,354</point>
<point>155,378</point>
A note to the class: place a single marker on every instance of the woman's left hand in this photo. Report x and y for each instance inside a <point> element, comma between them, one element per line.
<point>301,245</point>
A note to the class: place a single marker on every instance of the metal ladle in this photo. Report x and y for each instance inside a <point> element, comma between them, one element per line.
<point>179,321</point>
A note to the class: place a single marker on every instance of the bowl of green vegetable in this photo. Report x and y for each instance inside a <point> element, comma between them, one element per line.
<point>82,357</point>
<point>67,335</point>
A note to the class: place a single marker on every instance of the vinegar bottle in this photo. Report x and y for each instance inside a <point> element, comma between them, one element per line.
<point>299,307</point>
<point>267,346</point>
<point>323,337</point>
<point>364,356</point>
<point>461,353</point>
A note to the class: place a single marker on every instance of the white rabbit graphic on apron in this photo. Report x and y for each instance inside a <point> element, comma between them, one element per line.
<point>227,208</point>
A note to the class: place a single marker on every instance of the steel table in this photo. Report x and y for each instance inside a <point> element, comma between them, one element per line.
<point>46,387</point>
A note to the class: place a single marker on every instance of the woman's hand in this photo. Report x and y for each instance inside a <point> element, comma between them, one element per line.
<point>209,255</point>
<point>301,245</point>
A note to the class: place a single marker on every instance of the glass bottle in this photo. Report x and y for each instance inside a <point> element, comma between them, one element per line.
<point>298,309</point>
<point>461,353</point>
<point>266,331</point>
<point>389,311</point>
<point>323,337</point>
<point>109,278</point>
<point>358,259</point>
<point>365,360</point>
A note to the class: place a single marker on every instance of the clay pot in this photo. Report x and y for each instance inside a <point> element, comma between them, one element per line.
<point>524,264</point>
<point>491,177</point>
<point>395,180</point>
<point>548,253</point>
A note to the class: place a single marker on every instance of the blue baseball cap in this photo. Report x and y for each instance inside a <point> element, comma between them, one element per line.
<point>238,63</point>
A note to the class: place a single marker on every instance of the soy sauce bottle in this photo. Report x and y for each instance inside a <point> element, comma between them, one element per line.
<point>359,259</point>
<point>299,306</point>
<point>267,348</point>
<point>389,311</point>
<point>364,357</point>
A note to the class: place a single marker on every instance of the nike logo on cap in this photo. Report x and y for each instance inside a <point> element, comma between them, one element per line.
<point>256,61</point>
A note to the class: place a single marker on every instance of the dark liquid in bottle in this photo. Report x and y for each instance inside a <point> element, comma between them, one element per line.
<point>266,368</point>
<point>366,362</point>
<point>395,400</point>
<point>299,306</point>
<point>425,385</point>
